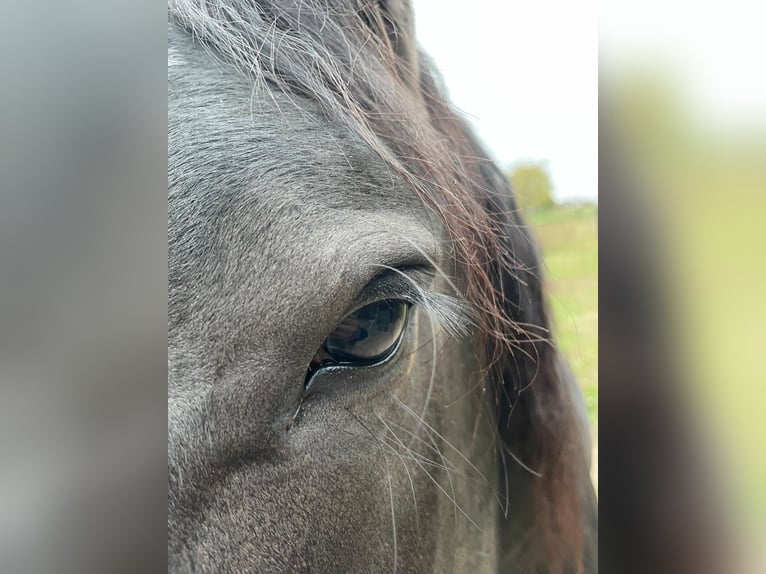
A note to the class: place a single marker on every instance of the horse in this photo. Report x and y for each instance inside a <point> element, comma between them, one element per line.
<point>361,370</point>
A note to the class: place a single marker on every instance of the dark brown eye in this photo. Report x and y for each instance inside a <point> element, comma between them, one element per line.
<point>368,335</point>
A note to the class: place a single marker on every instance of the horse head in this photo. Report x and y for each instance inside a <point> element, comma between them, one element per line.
<point>361,372</point>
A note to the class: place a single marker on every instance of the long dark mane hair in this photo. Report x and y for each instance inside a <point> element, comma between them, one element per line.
<point>358,59</point>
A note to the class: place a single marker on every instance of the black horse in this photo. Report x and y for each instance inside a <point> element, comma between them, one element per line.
<point>361,372</point>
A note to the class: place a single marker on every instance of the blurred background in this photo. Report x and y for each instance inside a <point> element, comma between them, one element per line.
<point>685,89</point>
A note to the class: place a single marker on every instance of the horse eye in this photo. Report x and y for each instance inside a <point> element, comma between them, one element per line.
<point>368,335</point>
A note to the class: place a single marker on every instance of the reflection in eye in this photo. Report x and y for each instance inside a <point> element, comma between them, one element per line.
<point>368,335</point>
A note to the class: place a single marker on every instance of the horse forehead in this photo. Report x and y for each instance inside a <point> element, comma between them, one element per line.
<point>264,191</point>
<point>231,140</point>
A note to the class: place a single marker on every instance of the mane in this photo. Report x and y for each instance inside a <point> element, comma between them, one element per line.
<point>359,61</point>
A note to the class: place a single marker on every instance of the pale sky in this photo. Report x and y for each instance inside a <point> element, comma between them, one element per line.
<point>526,75</point>
<point>715,52</point>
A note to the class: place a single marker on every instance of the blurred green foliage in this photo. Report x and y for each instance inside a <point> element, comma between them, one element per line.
<point>705,183</point>
<point>532,187</point>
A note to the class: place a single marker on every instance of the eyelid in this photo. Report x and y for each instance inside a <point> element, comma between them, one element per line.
<point>398,284</point>
<point>452,313</point>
